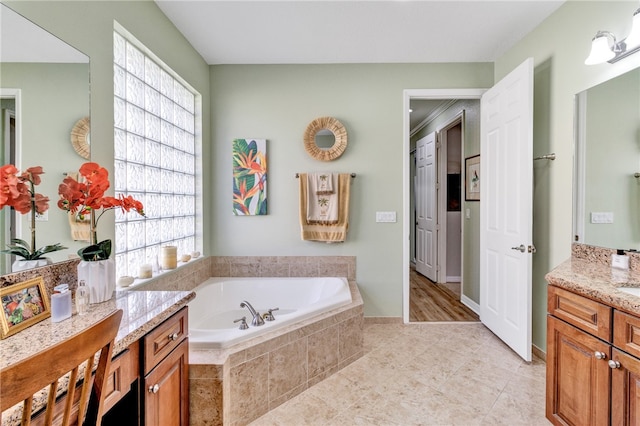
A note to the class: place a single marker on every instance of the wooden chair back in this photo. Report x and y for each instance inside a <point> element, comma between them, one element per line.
<point>20,381</point>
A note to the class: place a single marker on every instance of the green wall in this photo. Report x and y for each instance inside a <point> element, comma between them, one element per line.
<point>559,47</point>
<point>276,102</point>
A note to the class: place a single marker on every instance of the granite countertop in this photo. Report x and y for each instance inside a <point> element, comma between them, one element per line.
<point>599,282</point>
<point>142,311</point>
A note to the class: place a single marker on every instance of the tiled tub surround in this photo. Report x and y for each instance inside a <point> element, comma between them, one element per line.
<point>236,385</point>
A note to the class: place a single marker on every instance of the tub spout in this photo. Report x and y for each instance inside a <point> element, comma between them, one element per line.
<point>257,318</point>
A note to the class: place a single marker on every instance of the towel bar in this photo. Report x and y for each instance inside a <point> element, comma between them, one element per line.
<point>546,157</point>
<point>353,175</point>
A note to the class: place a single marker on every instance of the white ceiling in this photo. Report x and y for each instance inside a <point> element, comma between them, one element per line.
<point>348,31</point>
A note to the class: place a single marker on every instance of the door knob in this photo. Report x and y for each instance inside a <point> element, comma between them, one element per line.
<point>614,364</point>
<point>520,248</point>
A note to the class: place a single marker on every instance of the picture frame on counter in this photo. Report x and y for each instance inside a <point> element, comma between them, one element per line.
<point>23,305</point>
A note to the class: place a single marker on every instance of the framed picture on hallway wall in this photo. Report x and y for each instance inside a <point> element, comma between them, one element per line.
<point>472,178</point>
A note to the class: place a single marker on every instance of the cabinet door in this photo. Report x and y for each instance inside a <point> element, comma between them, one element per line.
<point>625,389</point>
<point>166,390</point>
<point>578,376</point>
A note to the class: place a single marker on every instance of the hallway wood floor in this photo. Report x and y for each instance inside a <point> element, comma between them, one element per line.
<point>429,301</point>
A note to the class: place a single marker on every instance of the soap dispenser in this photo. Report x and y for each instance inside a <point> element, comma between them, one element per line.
<point>620,260</point>
<point>60,303</point>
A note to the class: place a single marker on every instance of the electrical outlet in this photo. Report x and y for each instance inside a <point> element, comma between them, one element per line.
<point>44,217</point>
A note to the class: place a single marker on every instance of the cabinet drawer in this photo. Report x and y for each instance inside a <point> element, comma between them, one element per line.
<point>164,338</point>
<point>626,332</point>
<point>586,314</point>
<point>124,371</point>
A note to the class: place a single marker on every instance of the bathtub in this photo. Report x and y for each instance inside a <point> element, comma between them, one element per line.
<point>217,305</point>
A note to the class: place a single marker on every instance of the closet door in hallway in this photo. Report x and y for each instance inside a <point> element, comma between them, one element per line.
<point>426,205</point>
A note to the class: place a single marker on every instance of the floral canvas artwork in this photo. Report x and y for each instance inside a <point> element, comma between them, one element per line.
<point>249,177</point>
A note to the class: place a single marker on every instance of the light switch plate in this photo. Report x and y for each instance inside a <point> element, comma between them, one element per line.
<point>601,217</point>
<point>385,217</point>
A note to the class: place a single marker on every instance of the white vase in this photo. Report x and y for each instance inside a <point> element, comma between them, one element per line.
<point>22,264</point>
<point>100,278</point>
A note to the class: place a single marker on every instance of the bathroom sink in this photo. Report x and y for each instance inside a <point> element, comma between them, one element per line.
<point>630,290</point>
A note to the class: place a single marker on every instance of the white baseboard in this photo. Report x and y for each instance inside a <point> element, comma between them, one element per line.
<point>470,304</point>
<point>454,279</point>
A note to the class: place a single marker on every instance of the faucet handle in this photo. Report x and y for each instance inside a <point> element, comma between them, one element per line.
<point>268,316</point>
<point>243,323</point>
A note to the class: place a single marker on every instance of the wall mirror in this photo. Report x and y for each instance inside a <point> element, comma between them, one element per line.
<point>45,92</point>
<point>607,159</point>
<point>325,139</point>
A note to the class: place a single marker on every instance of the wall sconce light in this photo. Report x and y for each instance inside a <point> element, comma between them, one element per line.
<point>605,47</point>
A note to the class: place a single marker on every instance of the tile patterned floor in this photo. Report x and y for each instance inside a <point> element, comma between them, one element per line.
<point>424,374</point>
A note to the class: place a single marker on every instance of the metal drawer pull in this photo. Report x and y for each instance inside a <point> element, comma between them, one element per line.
<point>154,389</point>
<point>614,364</point>
<point>173,336</point>
<point>600,355</point>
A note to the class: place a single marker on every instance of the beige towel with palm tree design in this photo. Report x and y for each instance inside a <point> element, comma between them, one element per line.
<point>322,206</point>
<point>324,182</point>
<point>329,230</point>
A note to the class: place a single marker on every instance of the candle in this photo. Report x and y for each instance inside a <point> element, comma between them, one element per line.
<point>169,257</point>
<point>145,271</point>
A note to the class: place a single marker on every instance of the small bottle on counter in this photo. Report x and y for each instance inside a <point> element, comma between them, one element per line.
<point>620,260</point>
<point>82,298</point>
<point>60,303</point>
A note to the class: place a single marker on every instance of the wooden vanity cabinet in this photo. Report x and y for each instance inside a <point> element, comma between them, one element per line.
<point>578,376</point>
<point>165,385</point>
<point>593,365</point>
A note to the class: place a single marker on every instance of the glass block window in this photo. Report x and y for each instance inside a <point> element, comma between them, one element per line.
<point>155,157</point>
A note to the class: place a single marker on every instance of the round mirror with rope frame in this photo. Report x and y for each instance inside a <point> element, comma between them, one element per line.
<point>327,153</point>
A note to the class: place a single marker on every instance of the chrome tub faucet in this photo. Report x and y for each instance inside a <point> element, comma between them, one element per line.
<point>257,318</point>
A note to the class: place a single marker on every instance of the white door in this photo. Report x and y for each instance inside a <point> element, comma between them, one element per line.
<point>426,235</point>
<point>506,190</point>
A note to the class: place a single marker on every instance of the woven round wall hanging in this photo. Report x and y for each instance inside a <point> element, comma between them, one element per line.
<point>329,153</point>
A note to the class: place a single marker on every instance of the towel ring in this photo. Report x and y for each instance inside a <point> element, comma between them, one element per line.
<point>325,127</point>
